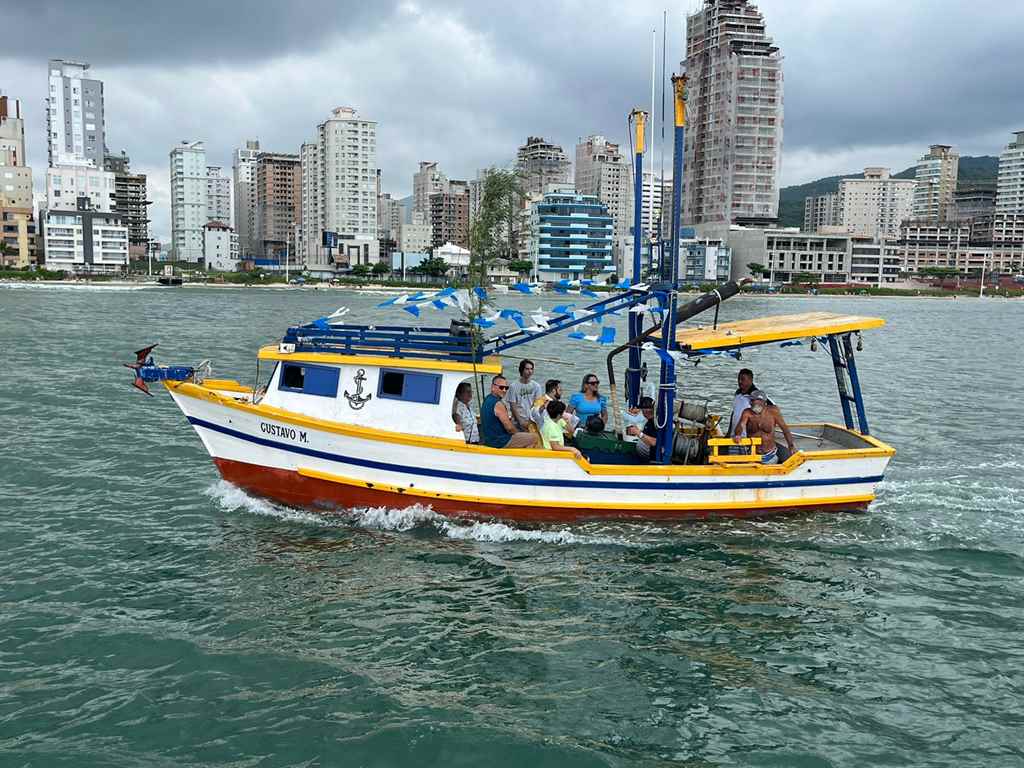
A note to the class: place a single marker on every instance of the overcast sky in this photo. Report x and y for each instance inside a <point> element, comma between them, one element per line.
<point>867,82</point>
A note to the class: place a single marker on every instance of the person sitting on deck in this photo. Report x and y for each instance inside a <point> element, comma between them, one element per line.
<point>522,394</point>
<point>588,401</point>
<point>496,425</point>
<point>465,421</point>
<point>646,437</point>
<point>761,420</point>
<point>538,414</point>
<point>552,434</point>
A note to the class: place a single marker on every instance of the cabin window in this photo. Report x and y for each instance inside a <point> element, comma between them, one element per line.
<point>413,387</point>
<point>309,379</point>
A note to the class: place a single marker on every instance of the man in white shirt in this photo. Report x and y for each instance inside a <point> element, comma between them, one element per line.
<point>522,394</point>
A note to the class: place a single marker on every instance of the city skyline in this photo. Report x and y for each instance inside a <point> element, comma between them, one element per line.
<point>864,85</point>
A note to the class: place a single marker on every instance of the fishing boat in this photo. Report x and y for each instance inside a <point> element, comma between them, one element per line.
<point>346,415</point>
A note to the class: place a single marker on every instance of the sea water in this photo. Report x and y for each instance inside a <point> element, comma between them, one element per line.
<point>153,615</point>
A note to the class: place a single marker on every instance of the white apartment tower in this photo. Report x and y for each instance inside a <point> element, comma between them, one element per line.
<point>603,171</point>
<point>734,116</point>
<point>655,189</point>
<point>74,115</point>
<point>244,175</point>
<point>1010,186</point>
<point>188,200</point>
<point>875,205</point>
<point>218,195</point>
<point>935,183</point>
<point>339,191</point>
<point>428,180</point>
<point>821,211</point>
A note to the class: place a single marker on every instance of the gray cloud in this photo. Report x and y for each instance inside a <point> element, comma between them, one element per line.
<point>464,83</point>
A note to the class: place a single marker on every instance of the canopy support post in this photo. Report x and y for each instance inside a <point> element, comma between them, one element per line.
<point>840,368</point>
<point>858,399</point>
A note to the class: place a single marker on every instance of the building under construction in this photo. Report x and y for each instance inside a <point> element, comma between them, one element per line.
<point>734,111</point>
<point>539,163</point>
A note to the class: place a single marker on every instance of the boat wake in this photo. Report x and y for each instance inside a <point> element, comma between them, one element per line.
<point>232,499</point>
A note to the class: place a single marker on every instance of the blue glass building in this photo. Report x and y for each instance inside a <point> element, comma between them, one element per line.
<point>570,236</point>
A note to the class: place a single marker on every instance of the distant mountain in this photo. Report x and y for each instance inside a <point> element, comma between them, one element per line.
<point>973,171</point>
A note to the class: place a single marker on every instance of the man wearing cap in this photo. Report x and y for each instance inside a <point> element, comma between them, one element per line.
<point>761,420</point>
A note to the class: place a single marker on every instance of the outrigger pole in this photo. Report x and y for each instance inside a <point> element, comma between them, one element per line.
<point>638,118</point>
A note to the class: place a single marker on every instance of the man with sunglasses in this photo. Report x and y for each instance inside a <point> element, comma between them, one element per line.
<point>496,426</point>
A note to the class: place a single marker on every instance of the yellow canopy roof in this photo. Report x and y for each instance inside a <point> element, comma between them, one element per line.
<point>776,328</point>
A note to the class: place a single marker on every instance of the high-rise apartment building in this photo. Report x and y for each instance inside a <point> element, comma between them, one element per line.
<point>389,216</point>
<point>449,216</point>
<point>244,175</point>
<point>415,236</point>
<point>604,172</point>
<point>876,205</point>
<point>130,202</point>
<point>218,195</point>
<point>82,239</point>
<point>427,181</point>
<point>1010,185</point>
<point>278,204</point>
<point>17,218</point>
<point>935,183</point>
<point>821,211</point>
<point>74,116</point>
<point>339,192</point>
<point>734,116</point>
<point>569,235</point>
<point>655,190</point>
<point>188,200</point>
<point>539,164</point>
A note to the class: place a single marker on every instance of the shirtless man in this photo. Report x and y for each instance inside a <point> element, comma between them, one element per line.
<point>761,420</point>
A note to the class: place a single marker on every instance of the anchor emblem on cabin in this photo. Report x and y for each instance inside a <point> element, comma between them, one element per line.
<point>358,400</point>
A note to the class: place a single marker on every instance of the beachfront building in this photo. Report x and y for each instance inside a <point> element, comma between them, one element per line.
<point>569,235</point>
<point>1010,184</point>
<point>934,184</point>
<point>733,144</point>
<point>278,205</point>
<point>67,183</point>
<point>338,193</point>
<point>130,202</point>
<point>81,239</point>
<point>220,247</point>
<point>416,236</point>
<point>243,174</point>
<point>17,218</point>
<point>188,200</point>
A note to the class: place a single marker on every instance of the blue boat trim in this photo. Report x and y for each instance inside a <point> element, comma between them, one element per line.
<point>680,486</point>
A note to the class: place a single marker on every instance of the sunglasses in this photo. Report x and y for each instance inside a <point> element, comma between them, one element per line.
<point>593,381</point>
<point>501,387</point>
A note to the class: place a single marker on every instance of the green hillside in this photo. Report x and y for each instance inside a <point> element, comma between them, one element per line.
<point>973,171</point>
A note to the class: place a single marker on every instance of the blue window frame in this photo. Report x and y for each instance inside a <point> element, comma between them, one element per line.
<point>309,379</point>
<point>409,386</point>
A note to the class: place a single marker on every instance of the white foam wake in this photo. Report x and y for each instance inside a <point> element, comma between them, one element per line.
<point>232,499</point>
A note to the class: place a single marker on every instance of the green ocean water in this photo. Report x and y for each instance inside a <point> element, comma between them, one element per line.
<point>152,615</point>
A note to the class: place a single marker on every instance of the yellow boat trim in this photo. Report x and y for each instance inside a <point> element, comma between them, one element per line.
<point>776,328</point>
<point>720,505</point>
<point>198,392</point>
<point>490,364</point>
<point>226,385</point>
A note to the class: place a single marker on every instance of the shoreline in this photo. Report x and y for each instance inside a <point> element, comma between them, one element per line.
<point>388,290</point>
